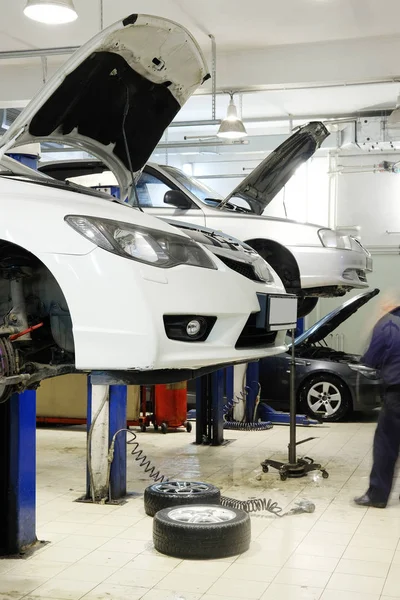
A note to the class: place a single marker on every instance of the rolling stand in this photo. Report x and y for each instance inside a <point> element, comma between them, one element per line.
<point>295,467</point>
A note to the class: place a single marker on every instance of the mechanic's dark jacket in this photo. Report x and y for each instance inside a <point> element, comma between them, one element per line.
<point>384,349</point>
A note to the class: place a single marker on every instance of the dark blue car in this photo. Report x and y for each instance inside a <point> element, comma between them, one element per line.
<point>329,383</point>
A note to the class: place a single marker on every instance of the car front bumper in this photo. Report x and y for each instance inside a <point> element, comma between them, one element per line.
<point>322,267</point>
<point>368,393</point>
<point>117,308</point>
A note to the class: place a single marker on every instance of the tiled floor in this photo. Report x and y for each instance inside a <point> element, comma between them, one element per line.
<point>340,552</point>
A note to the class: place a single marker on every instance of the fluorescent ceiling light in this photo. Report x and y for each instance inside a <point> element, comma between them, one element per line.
<point>51,12</point>
<point>232,127</point>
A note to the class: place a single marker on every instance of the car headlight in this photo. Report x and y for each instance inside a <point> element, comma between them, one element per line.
<point>262,271</point>
<point>332,239</point>
<point>367,372</point>
<point>150,246</point>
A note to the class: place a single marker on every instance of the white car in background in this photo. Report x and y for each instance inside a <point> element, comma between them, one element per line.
<point>313,261</point>
<point>88,283</point>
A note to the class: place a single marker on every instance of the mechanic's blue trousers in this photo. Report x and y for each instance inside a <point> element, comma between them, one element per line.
<point>386,446</point>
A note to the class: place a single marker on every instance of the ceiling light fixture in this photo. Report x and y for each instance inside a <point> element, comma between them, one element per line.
<point>51,12</point>
<point>232,127</point>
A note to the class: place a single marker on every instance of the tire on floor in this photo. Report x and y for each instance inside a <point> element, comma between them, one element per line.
<point>175,493</point>
<point>201,531</point>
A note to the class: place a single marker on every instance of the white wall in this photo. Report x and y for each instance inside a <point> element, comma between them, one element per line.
<point>371,201</point>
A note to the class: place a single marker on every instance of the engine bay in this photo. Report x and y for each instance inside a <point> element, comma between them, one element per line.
<point>323,352</point>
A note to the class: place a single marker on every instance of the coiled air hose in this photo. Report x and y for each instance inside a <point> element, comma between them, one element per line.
<point>253,505</point>
<point>243,425</point>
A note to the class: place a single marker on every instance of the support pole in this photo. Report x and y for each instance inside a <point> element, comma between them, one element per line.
<point>252,382</point>
<point>293,407</point>
<point>18,473</point>
<point>106,415</point>
<point>209,408</point>
<point>217,390</point>
<point>117,421</point>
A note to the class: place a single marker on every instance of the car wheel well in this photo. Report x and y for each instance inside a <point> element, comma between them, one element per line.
<point>43,293</point>
<point>281,260</point>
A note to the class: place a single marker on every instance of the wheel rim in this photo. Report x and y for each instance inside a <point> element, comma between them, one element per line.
<point>324,397</point>
<point>201,514</point>
<point>187,488</point>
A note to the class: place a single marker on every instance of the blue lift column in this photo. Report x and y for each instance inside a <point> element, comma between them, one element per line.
<point>209,408</point>
<point>18,473</point>
<point>106,416</point>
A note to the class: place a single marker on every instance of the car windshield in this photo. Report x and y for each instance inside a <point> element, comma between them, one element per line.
<point>196,187</point>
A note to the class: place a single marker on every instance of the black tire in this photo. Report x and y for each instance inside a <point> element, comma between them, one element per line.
<point>164,428</point>
<point>327,385</point>
<point>305,305</point>
<point>155,427</point>
<point>178,493</point>
<point>143,428</point>
<point>201,540</point>
<point>188,426</point>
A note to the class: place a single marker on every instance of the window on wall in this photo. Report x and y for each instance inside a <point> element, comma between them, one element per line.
<point>305,197</point>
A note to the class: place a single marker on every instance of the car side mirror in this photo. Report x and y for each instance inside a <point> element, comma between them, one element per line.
<point>178,199</point>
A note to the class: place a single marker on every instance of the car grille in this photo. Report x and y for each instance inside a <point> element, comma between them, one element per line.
<point>240,267</point>
<point>252,336</point>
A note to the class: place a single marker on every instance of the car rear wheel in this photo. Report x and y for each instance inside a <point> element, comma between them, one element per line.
<point>326,397</point>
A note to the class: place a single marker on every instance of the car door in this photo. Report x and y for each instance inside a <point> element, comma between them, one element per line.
<point>151,189</point>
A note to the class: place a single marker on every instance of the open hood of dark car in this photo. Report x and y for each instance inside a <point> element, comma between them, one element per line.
<point>268,179</point>
<point>331,321</point>
<point>116,95</point>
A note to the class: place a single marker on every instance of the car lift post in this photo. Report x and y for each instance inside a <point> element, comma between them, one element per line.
<point>106,410</point>
<point>18,473</point>
<point>209,408</point>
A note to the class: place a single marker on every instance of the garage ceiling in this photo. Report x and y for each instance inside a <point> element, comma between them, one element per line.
<point>292,57</point>
<point>235,24</point>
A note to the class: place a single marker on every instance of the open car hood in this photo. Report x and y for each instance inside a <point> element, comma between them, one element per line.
<point>331,321</point>
<point>116,95</point>
<point>268,179</point>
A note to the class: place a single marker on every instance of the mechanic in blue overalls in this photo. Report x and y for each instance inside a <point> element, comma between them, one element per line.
<point>384,353</point>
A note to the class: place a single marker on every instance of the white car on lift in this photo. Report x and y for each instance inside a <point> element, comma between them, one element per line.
<point>313,261</point>
<point>89,284</point>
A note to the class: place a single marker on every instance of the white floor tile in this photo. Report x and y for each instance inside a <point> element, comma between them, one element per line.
<point>107,559</point>
<point>362,567</point>
<point>278,591</point>
<point>186,583</point>
<point>115,592</point>
<point>392,584</point>
<point>303,577</point>
<point>14,584</point>
<point>64,589</point>
<point>341,595</point>
<point>252,572</point>
<point>165,595</point>
<point>317,563</point>
<point>368,554</point>
<point>136,577</point>
<point>238,588</point>
<point>356,583</point>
